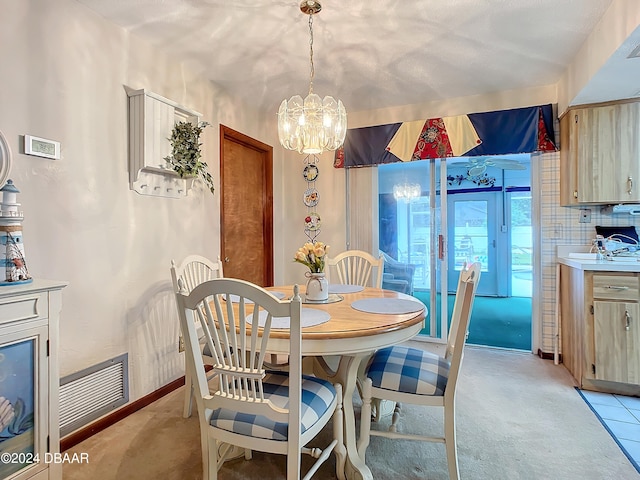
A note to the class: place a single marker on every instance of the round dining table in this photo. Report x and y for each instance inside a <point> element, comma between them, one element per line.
<point>360,321</point>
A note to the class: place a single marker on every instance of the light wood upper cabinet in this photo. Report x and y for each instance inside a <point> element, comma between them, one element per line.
<point>569,158</point>
<point>600,154</point>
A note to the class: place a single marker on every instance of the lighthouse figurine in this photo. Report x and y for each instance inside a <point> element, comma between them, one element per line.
<point>12,255</point>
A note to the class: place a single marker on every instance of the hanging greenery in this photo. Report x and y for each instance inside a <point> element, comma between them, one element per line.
<point>185,153</point>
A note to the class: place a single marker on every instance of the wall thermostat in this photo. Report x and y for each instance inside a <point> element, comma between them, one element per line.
<point>41,147</point>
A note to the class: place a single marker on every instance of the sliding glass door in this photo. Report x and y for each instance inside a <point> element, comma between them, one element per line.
<point>452,218</point>
<point>412,232</point>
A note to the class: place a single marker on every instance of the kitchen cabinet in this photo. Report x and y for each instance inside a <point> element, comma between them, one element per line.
<point>616,331</point>
<point>29,317</point>
<point>600,324</point>
<point>568,159</point>
<point>600,154</point>
<point>600,314</point>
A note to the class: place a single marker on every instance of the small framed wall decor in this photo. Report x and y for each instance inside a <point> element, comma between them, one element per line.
<point>41,147</point>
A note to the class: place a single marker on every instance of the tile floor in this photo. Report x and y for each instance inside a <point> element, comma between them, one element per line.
<point>621,416</point>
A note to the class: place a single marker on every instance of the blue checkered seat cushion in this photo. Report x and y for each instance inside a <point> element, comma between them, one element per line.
<point>317,396</point>
<point>408,370</point>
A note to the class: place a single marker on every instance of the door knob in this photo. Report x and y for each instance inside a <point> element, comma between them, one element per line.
<point>226,259</point>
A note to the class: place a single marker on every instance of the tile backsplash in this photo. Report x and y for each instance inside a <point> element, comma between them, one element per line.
<point>561,226</point>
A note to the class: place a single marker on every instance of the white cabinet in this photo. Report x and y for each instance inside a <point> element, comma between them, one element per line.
<point>151,120</point>
<point>29,379</point>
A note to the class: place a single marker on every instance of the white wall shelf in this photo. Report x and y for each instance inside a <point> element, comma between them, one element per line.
<point>151,120</point>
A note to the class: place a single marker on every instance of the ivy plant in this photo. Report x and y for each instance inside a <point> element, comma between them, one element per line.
<point>185,153</point>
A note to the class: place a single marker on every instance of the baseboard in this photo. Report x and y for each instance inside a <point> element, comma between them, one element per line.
<point>82,434</point>
<point>549,355</point>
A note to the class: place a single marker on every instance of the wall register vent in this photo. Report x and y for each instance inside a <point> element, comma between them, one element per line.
<point>93,392</point>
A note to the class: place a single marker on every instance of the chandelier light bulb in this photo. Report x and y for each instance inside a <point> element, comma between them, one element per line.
<point>407,191</point>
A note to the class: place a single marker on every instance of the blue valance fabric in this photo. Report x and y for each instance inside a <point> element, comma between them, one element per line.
<point>502,132</point>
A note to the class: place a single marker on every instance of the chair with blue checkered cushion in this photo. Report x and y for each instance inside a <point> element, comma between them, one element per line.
<point>351,267</point>
<point>252,407</point>
<point>414,376</point>
<point>193,271</point>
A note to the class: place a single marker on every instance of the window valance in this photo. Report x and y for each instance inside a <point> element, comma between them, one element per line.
<point>502,132</point>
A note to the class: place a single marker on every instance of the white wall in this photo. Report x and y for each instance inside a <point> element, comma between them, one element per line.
<point>63,73</point>
<point>616,25</point>
<point>455,106</point>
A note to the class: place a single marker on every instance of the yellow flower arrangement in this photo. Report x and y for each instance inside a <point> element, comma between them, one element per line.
<point>312,255</point>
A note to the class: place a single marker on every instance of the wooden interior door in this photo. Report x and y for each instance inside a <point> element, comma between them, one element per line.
<point>246,179</point>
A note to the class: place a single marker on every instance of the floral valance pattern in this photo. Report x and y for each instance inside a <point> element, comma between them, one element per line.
<point>502,132</point>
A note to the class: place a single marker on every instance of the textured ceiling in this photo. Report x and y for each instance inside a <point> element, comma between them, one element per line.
<point>370,54</point>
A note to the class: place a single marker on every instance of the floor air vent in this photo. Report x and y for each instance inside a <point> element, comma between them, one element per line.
<point>93,392</point>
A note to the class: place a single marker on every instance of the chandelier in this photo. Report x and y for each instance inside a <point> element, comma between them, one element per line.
<point>406,191</point>
<point>312,125</point>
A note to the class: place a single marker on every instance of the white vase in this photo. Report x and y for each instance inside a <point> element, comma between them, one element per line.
<point>317,287</point>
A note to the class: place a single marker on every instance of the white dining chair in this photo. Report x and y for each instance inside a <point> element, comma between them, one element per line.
<point>414,376</point>
<point>352,267</point>
<point>191,272</point>
<point>355,267</point>
<point>251,407</point>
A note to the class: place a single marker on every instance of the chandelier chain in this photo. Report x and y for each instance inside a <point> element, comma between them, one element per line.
<point>312,72</point>
<point>311,125</point>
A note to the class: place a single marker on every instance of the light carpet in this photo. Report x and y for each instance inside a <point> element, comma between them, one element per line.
<point>518,417</point>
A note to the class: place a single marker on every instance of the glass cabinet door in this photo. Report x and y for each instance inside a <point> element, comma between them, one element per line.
<point>23,399</point>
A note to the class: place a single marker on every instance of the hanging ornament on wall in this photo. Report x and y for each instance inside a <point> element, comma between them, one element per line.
<point>311,198</point>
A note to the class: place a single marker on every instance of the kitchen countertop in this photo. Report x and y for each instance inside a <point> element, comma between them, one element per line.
<point>620,264</point>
